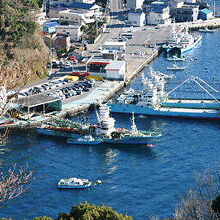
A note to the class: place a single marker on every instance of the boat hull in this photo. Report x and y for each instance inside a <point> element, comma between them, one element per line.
<point>164,112</point>
<point>49,132</point>
<point>74,187</point>
<point>71,141</point>
<point>130,140</point>
<point>190,47</point>
<point>194,104</point>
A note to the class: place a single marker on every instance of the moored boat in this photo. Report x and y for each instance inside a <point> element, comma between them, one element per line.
<point>158,104</point>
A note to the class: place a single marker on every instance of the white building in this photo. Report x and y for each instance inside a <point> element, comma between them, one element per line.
<point>176,3</point>
<point>160,14</point>
<point>134,4</point>
<point>76,17</point>
<point>89,9</point>
<point>73,31</point>
<point>116,70</point>
<point>136,18</point>
<point>114,50</point>
<point>51,2</point>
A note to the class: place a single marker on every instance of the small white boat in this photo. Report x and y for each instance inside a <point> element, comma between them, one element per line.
<point>175,58</point>
<point>74,183</point>
<point>85,140</point>
<point>176,68</point>
<point>206,30</point>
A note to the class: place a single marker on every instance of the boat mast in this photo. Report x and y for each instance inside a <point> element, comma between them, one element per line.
<point>134,129</point>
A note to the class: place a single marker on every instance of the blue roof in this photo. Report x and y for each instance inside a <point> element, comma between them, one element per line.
<point>206,11</point>
<point>81,5</point>
<point>159,8</point>
<point>50,24</point>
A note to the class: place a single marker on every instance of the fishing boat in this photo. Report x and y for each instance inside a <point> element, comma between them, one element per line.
<point>107,133</point>
<point>64,128</point>
<point>158,103</point>
<point>188,41</point>
<point>183,41</point>
<point>85,140</point>
<point>175,67</point>
<point>206,30</point>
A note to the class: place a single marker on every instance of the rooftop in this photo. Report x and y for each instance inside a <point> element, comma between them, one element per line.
<point>78,5</point>
<point>115,43</point>
<point>69,26</point>
<point>115,64</point>
<point>36,100</point>
<point>206,11</point>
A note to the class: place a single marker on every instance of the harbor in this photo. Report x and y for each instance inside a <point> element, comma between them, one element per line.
<point>183,148</point>
<point>133,121</point>
<point>138,56</point>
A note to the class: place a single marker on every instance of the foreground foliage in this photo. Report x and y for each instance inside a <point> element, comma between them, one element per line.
<point>87,211</point>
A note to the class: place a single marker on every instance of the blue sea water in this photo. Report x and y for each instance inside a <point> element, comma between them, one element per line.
<point>138,181</point>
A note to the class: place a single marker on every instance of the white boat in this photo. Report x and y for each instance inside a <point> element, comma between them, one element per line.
<point>176,68</point>
<point>175,58</point>
<point>85,140</point>
<point>74,183</point>
<point>206,30</point>
<point>183,41</point>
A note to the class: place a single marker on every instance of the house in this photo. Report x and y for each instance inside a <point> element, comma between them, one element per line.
<point>134,4</point>
<point>186,13</point>
<point>73,31</point>
<point>159,14</point>
<point>113,50</point>
<point>50,27</point>
<point>136,18</point>
<point>76,17</point>
<point>51,2</point>
<point>205,14</point>
<point>62,41</point>
<point>93,9</point>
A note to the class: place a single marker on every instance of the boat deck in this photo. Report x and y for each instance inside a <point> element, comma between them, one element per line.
<point>187,110</point>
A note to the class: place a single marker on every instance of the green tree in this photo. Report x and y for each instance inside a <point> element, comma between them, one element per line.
<point>87,211</point>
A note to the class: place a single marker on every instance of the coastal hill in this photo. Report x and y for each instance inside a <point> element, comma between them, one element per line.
<point>23,54</point>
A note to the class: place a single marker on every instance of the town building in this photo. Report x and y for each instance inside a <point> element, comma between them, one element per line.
<point>186,13</point>
<point>73,31</point>
<point>51,2</point>
<point>134,4</point>
<point>176,4</point>
<point>159,14</point>
<point>205,14</point>
<point>76,17</point>
<point>62,42</point>
<point>107,68</point>
<point>136,18</point>
<point>50,27</point>
<point>114,50</point>
<point>92,9</point>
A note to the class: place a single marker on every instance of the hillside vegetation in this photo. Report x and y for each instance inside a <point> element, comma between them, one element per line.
<point>23,54</point>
